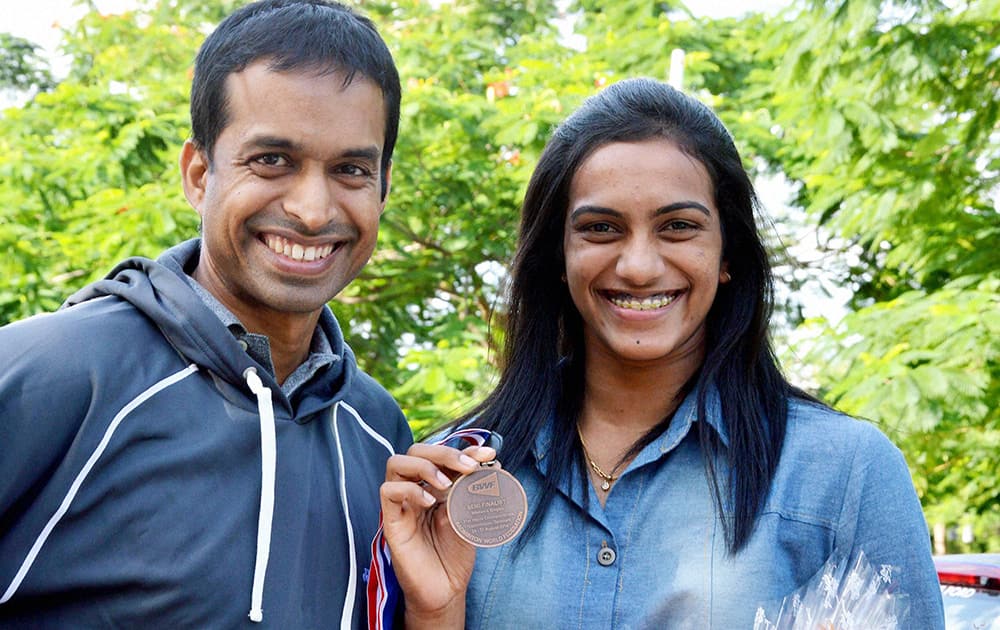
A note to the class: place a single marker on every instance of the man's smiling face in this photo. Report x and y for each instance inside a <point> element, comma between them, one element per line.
<point>290,204</point>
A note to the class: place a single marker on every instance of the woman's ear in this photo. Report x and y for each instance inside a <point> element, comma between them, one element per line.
<point>724,276</point>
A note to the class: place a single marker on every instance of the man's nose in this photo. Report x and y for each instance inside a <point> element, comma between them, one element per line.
<point>311,199</point>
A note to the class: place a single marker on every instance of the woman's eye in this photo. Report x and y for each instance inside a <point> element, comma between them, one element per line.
<point>600,228</point>
<point>679,226</point>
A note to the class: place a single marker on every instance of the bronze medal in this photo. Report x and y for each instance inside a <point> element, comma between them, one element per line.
<point>488,507</point>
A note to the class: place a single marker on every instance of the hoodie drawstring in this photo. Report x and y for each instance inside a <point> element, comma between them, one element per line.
<point>268,460</point>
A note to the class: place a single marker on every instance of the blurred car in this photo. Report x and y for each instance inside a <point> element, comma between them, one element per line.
<point>970,588</point>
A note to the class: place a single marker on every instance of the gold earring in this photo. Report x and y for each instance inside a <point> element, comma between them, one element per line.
<point>725,277</point>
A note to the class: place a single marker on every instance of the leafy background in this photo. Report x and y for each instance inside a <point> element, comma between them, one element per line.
<point>881,118</point>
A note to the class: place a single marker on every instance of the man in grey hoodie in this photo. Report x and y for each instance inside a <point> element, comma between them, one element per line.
<point>189,442</point>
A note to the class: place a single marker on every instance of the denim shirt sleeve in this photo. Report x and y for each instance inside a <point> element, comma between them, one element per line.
<point>882,517</point>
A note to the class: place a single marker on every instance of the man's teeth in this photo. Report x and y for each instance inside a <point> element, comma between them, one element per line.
<point>649,303</point>
<point>295,251</point>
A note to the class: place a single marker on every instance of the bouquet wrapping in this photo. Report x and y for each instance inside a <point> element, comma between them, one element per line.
<point>844,595</point>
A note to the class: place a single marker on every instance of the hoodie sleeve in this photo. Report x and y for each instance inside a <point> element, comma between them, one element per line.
<point>44,396</point>
<point>64,371</point>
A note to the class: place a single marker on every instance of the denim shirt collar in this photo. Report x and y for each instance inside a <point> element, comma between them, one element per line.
<point>684,418</point>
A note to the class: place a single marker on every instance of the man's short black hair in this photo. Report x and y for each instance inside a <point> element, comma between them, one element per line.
<point>317,35</point>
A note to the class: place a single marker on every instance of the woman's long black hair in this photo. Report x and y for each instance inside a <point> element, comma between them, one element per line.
<point>542,362</point>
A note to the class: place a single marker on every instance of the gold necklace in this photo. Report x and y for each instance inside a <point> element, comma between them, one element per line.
<point>606,478</point>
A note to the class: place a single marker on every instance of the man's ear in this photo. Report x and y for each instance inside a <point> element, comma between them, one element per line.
<point>194,174</point>
<point>386,185</point>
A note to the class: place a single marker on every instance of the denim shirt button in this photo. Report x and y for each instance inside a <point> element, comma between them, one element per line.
<point>606,556</point>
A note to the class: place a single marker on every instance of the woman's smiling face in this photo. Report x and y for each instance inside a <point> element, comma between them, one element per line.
<point>643,248</point>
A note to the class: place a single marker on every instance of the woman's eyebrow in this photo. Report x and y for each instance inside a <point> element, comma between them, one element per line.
<point>670,207</point>
<point>683,205</point>
<point>588,209</point>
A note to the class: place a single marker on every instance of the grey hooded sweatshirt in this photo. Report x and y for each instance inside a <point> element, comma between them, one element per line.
<point>153,475</point>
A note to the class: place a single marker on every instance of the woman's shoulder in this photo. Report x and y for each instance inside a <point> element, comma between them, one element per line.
<point>827,458</point>
<point>815,429</point>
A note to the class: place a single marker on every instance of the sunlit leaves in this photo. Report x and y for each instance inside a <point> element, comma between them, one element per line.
<point>22,67</point>
<point>88,174</point>
<point>888,116</point>
<point>882,116</point>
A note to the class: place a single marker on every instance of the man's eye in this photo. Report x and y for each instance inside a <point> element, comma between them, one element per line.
<point>271,159</point>
<point>354,170</point>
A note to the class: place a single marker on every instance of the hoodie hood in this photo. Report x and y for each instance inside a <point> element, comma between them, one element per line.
<point>159,290</point>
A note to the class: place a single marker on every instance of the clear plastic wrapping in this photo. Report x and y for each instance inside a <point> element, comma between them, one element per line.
<point>846,594</point>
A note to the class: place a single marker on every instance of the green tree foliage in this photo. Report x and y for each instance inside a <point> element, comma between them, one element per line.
<point>476,113</point>
<point>882,115</point>
<point>888,120</point>
<point>89,171</point>
<point>22,68</point>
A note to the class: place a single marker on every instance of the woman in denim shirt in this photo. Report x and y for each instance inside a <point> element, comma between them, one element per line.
<point>675,479</point>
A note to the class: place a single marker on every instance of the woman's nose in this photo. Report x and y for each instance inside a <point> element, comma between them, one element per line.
<point>639,262</point>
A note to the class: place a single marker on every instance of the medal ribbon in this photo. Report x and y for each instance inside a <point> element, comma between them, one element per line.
<point>384,592</point>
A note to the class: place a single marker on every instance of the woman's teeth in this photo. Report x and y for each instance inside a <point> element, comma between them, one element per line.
<point>648,303</point>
